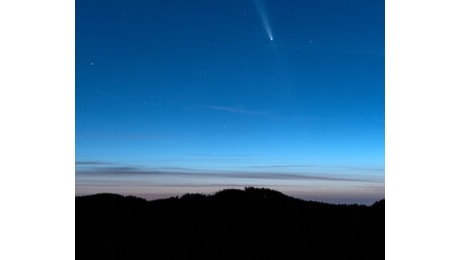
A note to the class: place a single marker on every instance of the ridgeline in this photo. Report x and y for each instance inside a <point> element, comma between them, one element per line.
<point>231,224</point>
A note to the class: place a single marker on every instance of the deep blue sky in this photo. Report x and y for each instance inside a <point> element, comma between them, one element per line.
<point>179,96</point>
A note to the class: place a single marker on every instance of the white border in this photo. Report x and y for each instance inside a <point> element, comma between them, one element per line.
<point>422,128</point>
<point>37,133</point>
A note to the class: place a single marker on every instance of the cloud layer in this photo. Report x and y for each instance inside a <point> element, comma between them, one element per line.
<point>269,172</point>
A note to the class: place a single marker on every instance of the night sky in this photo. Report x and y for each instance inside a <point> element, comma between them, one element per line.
<point>178,96</point>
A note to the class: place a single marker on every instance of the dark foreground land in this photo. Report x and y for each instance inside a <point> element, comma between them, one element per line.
<point>232,224</point>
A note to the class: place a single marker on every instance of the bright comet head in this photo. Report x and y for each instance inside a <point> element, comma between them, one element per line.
<point>263,16</point>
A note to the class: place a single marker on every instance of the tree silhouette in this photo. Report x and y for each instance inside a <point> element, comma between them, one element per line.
<point>232,224</point>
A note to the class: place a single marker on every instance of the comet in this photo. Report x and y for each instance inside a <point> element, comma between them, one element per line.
<point>264,18</point>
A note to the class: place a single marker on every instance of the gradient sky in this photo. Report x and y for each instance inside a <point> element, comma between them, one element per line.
<point>176,96</point>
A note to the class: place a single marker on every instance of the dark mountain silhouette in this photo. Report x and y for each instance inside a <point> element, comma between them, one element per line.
<point>231,224</point>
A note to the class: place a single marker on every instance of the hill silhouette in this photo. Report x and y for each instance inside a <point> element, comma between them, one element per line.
<point>231,224</point>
